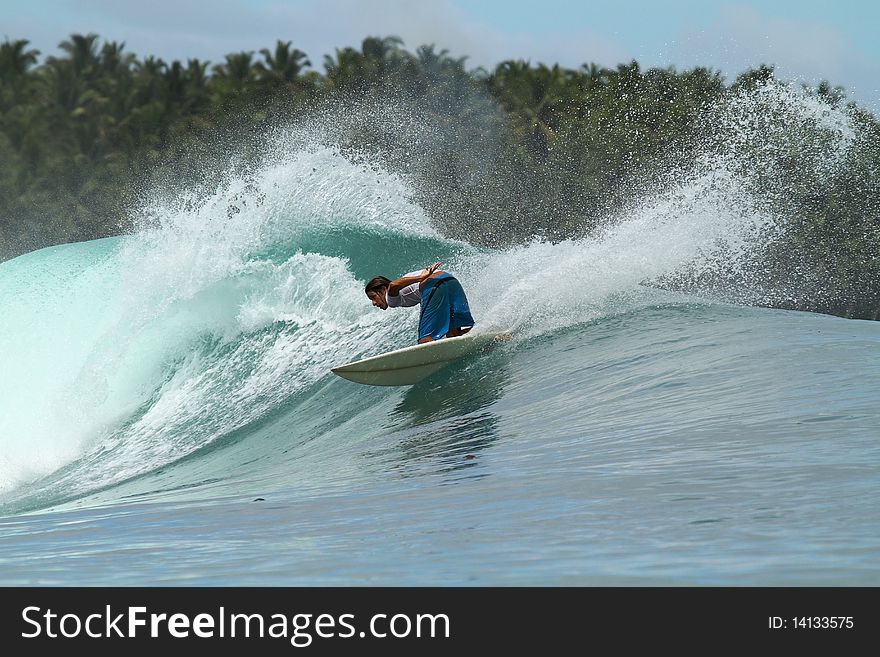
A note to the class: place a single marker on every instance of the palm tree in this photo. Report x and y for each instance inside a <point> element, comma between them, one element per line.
<point>175,83</point>
<point>62,84</point>
<point>629,75</point>
<point>112,61</point>
<point>443,82</point>
<point>150,83</point>
<point>347,70</point>
<point>384,52</point>
<point>15,60</point>
<point>436,64</point>
<point>595,74</point>
<point>832,95</point>
<point>284,66</point>
<point>236,74</point>
<point>533,99</point>
<point>371,67</point>
<point>83,54</point>
<point>115,77</point>
<point>753,78</point>
<point>197,94</point>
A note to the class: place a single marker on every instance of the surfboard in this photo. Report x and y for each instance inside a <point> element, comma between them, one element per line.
<point>409,365</point>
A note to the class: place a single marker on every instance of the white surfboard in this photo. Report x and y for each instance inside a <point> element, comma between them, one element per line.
<point>407,366</point>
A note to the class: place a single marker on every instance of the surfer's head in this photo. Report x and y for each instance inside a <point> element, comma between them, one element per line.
<point>376,289</point>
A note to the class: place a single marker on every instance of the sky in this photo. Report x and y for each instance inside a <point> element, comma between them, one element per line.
<point>807,40</point>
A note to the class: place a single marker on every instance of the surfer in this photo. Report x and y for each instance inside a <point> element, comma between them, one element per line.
<point>445,310</point>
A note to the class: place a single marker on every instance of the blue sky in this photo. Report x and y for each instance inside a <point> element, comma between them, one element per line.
<point>806,40</point>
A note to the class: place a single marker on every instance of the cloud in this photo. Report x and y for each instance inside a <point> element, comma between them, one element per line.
<point>802,50</point>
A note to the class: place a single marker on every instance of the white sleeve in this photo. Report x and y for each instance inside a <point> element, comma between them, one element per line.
<point>408,296</point>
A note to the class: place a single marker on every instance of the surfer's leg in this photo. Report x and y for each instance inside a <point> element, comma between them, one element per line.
<point>435,318</point>
<point>460,319</point>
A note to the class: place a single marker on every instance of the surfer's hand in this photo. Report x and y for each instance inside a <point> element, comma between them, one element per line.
<point>433,268</point>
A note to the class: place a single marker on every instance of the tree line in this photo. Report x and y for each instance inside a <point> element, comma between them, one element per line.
<point>518,151</point>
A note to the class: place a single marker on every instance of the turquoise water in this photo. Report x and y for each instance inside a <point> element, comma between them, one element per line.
<point>167,414</point>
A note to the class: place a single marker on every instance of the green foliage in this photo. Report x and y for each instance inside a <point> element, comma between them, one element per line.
<point>80,134</point>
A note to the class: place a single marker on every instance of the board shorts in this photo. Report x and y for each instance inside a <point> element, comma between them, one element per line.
<point>444,307</point>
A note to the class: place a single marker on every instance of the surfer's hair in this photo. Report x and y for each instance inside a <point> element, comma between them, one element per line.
<point>376,283</point>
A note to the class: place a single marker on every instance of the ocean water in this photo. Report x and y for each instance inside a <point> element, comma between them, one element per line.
<point>168,417</point>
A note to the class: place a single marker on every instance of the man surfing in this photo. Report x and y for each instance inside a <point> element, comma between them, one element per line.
<point>445,311</point>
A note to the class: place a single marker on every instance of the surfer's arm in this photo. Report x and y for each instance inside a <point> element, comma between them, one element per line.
<point>395,286</point>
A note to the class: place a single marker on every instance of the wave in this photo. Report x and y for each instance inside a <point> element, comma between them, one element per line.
<point>125,355</point>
